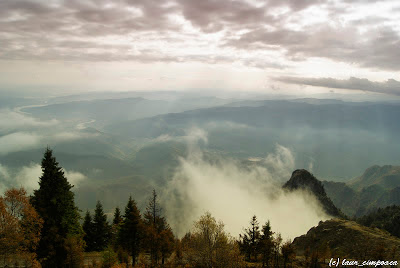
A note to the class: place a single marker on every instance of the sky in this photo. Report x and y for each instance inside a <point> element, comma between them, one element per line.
<point>269,46</point>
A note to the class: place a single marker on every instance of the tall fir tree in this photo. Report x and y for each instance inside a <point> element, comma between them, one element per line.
<point>115,227</point>
<point>101,228</point>
<point>117,216</point>
<point>249,241</point>
<point>131,231</point>
<point>266,244</point>
<point>89,232</point>
<point>54,201</point>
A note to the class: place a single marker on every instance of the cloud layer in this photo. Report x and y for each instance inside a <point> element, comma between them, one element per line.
<point>391,86</point>
<point>234,193</point>
<point>263,34</point>
<point>19,131</point>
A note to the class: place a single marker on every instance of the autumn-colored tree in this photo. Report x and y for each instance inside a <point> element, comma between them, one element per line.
<point>54,202</point>
<point>158,234</point>
<point>288,253</point>
<point>74,246</point>
<point>277,241</point>
<point>208,245</point>
<point>20,226</point>
<point>167,243</point>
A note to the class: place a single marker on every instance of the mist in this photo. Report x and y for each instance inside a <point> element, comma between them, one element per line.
<point>28,177</point>
<point>234,192</point>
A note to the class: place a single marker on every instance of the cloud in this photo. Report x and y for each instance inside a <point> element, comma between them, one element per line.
<point>390,86</point>
<point>74,177</point>
<point>18,141</point>
<point>28,177</point>
<point>19,132</point>
<point>11,121</point>
<point>271,33</point>
<point>234,193</point>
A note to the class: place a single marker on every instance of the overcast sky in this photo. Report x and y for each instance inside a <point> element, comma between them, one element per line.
<point>274,46</point>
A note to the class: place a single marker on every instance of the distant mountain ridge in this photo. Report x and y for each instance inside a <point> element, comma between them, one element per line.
<point>377,187</point>
<point>386,176</point>
<point>302,179</point>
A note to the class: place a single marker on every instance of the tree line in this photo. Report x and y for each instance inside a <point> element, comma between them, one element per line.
<point>44,230</point>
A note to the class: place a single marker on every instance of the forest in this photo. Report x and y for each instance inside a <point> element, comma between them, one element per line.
<point>46,229</point>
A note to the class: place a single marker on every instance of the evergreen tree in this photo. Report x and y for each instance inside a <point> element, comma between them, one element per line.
<point>266,244</point>
<point>116,225</point>
<point>89,232</point>
<point>117,216</point>
<point>250,239</point>
<point>54,201</point>
<point>101,228</point>
<point>131,231</point>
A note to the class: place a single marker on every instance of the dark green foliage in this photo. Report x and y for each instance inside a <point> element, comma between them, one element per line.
<point>54,201</point>
<point>115,228</point>
<point>131,231</point>
<point>384,218</point>
<point>266,243</point>
<point>88,229</point>
<point>249,241</point>
<point>117,216</point>
<point>110,257</point>
<point>101,228</point>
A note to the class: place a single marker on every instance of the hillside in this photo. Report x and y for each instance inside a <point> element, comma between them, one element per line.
<point>348,239</point>
<point>387,218</point>
<point>302,179</point>
<point>344,197</point>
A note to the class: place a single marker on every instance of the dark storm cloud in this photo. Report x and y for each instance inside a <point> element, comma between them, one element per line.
<point>391,86</point>
<point>76,29</point>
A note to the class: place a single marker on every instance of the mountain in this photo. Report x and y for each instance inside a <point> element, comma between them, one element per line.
<point>340,238</point>
<point>377,187</point>
<point>304,180</point>
<point>388,177</point>
<point>101,112</point>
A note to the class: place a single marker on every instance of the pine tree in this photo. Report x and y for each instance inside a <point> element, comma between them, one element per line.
<point>88,229</point>
<point>250,239</point>
<point>54,201</point>
<point>101,228</point>
<point>266,244</point>
<point>117,216</point>
<point>115,227</point>
<point>131,231</point>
